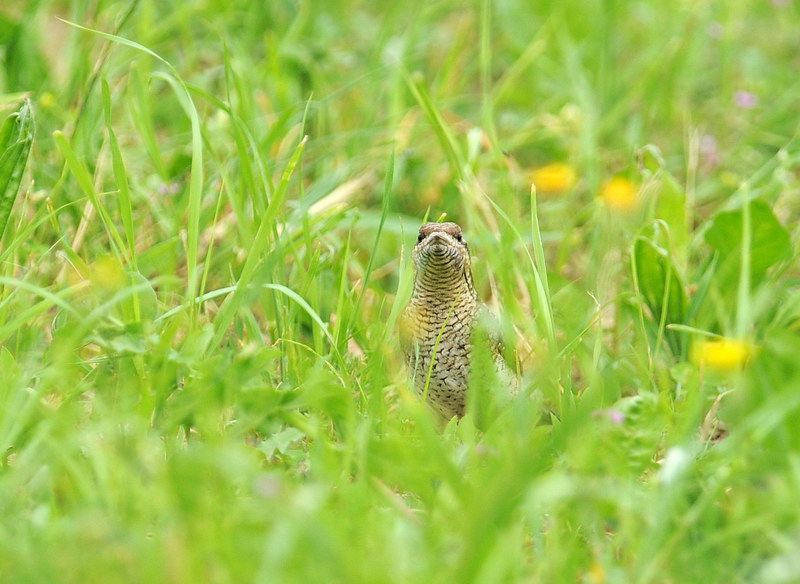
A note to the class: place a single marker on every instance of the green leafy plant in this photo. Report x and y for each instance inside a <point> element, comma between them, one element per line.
<point>16,139</point>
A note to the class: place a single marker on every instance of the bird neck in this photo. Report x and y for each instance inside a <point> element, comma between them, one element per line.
<point>443,286</point>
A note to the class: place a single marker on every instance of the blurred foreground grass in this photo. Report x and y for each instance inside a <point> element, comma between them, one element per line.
<point>203,268</point>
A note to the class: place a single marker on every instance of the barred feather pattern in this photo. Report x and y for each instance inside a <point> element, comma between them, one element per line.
<point>439,319</point>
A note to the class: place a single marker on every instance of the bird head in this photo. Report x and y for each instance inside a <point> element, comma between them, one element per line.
<point>441,256</point>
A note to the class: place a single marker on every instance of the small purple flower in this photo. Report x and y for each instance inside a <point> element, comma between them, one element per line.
<point>616,416</point>
<point>268,486</point>
<point>709,150</point>
<point>745,99</point>
<point>168,188</point>
<point>715,30</point>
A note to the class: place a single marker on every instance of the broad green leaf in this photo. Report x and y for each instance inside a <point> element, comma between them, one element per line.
<point>770,242</point>
<point>670,199</point>
<point>659,282</point>
<point>671,208</point>
<point>282,441</point>
<point>16,137</point>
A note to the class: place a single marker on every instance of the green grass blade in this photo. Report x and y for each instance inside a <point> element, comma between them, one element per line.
<point>196,179</point>
<point>258,248</point>
<point>84,179</point>
<point>446,139</point>
<point>16,138</point>
<point>744,309</point>
<point>543,285</point>
<point>121,176</point>
<point>386,198</point>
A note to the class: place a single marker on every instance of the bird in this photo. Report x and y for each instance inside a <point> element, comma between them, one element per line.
<point>437,325</point>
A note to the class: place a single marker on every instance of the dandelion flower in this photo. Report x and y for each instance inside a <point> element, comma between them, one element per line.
<point>553,178</point>
<point>721,354</point>
<point>620,194</point>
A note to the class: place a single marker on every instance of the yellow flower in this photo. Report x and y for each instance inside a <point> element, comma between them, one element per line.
<point>721,354</point>
<point>107,274</point>
<point>553,178</point>
<point>596,573</point>
<point>47,100</point>
<point>620,194</point>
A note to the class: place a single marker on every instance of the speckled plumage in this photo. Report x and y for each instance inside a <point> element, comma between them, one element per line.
<point>439,319</point>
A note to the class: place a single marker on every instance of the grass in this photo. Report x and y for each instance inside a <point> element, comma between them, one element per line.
<point>208,252</point>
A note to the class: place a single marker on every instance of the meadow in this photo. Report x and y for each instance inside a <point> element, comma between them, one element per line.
<point>207,213</point>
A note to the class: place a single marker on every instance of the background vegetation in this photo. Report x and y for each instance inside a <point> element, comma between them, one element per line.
<point>202,272</point>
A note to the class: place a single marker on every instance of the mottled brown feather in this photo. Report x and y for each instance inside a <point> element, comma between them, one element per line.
<point>437,325</point>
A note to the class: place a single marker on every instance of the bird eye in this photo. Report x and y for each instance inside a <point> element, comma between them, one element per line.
<point>420,238</point>
<point>458,237</point>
